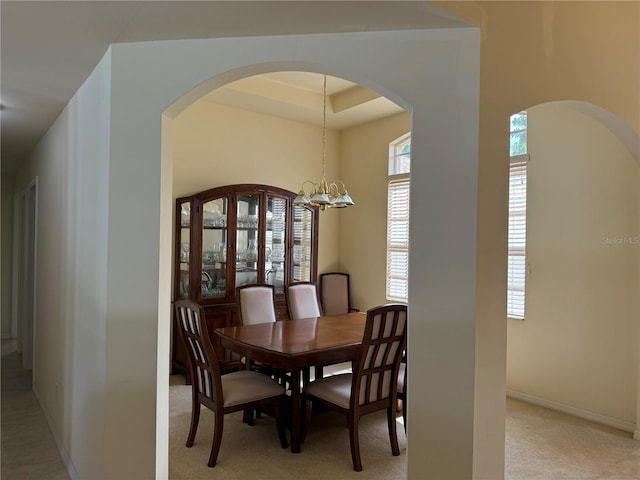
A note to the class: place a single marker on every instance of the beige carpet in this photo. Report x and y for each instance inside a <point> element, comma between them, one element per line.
<point>255,452</point>
<point>541,445</point>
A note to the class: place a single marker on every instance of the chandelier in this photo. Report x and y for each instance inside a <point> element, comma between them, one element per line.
<point>324,194</point>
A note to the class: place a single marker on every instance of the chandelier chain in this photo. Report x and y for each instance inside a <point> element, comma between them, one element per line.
<point>324,125</point>
<point>324,194</point>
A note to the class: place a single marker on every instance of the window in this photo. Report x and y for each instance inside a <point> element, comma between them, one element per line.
<point>398,219</point>
<point>517,240</point>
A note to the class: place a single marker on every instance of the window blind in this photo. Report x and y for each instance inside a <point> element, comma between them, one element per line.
<point>517,263</point>
<point>398,240</point>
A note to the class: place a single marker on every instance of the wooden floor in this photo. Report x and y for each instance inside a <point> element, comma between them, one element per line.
<point>28,450</point>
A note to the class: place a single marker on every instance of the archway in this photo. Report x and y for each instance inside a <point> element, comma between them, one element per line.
<point>426,142</point>
<point>268,129</point>
<point>440,67</point>
<point>578,339</point>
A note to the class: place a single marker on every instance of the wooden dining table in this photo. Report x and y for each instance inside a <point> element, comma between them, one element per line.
<point>296,345</point>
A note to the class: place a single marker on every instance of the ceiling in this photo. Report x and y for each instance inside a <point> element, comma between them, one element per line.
<point>49,48</point>
<point>299,96</point>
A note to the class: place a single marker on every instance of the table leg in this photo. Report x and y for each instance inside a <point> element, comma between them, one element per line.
<point>296,412</point>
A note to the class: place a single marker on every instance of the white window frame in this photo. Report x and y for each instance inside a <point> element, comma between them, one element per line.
<point>398,202</point>
<point>517,264</point>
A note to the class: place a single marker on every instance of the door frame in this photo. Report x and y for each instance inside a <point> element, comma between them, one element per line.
<point>23,292</point>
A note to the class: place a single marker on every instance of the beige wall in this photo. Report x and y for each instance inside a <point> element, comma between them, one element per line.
<point>215,145</point>
<point>534,52</point>
<point>363,229</point>
<point>6,260</point>
<point>577,344</point>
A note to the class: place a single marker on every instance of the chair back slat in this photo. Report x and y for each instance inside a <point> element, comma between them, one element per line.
<point>376,371</point>
<point>203,362</point>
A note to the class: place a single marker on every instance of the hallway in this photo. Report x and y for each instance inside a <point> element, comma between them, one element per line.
<point>28,451</point>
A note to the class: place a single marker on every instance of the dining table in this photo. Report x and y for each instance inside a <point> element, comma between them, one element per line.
<point>295,346</point>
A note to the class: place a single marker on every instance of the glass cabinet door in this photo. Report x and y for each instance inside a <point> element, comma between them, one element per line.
<point>275,241</point>
<point>248,209</point>
<point>185,248</point>
<point>214,248</point>
<point>302,243</point>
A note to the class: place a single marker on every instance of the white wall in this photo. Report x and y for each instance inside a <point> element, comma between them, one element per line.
<point>440,71</point>
<point>577,346</point>
<point>87,204</point>
<point>216,145</point>
<point>48,164</point>
<point>71,165</point>
<point>6,257</point>
<point>104,324</point>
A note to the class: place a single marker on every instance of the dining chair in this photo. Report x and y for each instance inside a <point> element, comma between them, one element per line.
<point>256,304</point>
<point>222,394</point>
<point>335,293</point>
<point>374,382</point>
<point>302,300</point>
<point>334,288</point>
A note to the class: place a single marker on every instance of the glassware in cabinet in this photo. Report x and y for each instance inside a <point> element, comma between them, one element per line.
<point>214,248</point>
<point>247,237</point>
<point>275,242</point>
<point>184,249</point>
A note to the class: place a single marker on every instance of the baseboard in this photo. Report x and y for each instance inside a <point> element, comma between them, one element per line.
<point>577,412</point>
<point>64,455</point>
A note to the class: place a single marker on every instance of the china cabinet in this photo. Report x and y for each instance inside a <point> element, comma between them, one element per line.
<point>235,235</point>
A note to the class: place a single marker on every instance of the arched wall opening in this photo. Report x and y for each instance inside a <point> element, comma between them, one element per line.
<point>577,348</point>
<point>220,140</point>
<point>267,129</point>
<point>439,153</point>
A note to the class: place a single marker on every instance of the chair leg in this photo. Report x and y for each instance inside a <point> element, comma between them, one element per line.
<point>393,435</point>
<point>217,438</point>
<point>279,413</point>
<point>355,443</point>
<point>195,418</point>
<point>248,417</point>
<point>307,407</point>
